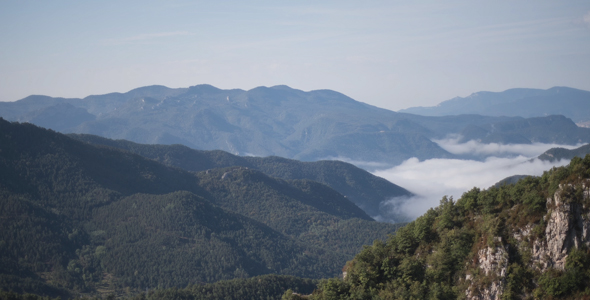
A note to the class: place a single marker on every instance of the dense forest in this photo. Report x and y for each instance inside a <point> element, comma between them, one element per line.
<point>78,219</point>
<point>361,187</point>
<point>265,287</point>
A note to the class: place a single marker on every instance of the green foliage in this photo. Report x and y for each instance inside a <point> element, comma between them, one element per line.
<point>572,281</point>
<point>518,280</point>
<point>290,295</point>
<point>9,295</point>
<point>333,289</point>
<point>267,287</point>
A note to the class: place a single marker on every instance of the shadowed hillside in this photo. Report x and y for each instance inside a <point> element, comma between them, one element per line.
<point>359,186</point>
<point>77,218</point>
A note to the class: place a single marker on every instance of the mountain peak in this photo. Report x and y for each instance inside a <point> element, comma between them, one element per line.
<point>282,87</point>
<point>203,88</point>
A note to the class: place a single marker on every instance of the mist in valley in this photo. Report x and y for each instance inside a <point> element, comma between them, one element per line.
<point>431,179</point>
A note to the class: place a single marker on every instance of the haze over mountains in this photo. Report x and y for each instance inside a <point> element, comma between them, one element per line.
<point>569,102</point>
<point>279,121</point>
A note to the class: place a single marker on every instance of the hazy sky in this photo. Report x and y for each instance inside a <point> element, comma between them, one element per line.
<point>392,54</point>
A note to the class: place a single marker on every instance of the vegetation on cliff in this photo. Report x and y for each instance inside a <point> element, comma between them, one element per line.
<point>517,241</point>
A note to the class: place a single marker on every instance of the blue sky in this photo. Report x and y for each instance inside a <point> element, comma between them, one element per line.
<point>392,54</point>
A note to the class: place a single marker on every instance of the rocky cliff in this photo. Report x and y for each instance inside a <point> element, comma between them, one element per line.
<point>568,224</point>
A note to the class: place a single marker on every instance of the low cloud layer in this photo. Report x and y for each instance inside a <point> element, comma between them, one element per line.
<point>432,179</point>
<point>367,165</point>
<point>475,148</point>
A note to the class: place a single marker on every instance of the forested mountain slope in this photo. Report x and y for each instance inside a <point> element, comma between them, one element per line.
<point>555,154</point>
<point>527,240</point>
<point>81,218</point>
<point>263,287</point>
<point>359,186</point>
<point>521,241</point>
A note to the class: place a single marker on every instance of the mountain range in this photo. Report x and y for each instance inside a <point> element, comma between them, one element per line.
<point>569,102</point>
<point>83,214</point>
<point>279,121</point>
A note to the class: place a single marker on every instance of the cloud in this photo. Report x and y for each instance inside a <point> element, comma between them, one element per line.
<point>432,179</point>
<point>472,147</point>
<point>587,18</point>
<point>367,165</point>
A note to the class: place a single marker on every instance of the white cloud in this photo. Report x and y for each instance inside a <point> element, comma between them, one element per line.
<point>367,165</point>
<point>432,179</point>
<point>472,147</point>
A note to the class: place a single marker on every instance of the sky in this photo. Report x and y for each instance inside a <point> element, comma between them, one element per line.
<point>391,54</point>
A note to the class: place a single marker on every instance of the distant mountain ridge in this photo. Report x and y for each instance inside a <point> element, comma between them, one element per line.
<point>550,129</point>
<point>572,103</point>
<point>270,121</point>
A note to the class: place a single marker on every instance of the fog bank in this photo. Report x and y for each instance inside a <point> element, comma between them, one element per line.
<point>432,179</point>
<point>475,148</point>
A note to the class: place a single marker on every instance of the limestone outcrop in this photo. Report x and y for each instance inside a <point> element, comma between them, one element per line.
<point>493,262</point>
<point>568,226</point>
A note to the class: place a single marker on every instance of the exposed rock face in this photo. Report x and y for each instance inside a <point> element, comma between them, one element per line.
<point>493,262</point>
<point>568,226</point>
<point>522,234</point>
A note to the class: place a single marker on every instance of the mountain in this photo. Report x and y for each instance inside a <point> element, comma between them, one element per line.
<point>278,121</point>
<point>361,187</point>
<point>572,103</point>
<point>263,121</point>
<point>550,129</point>
<point>510,180</point>
<point>77,218</point>
<point>555,154</point>
<point>518,241</point>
